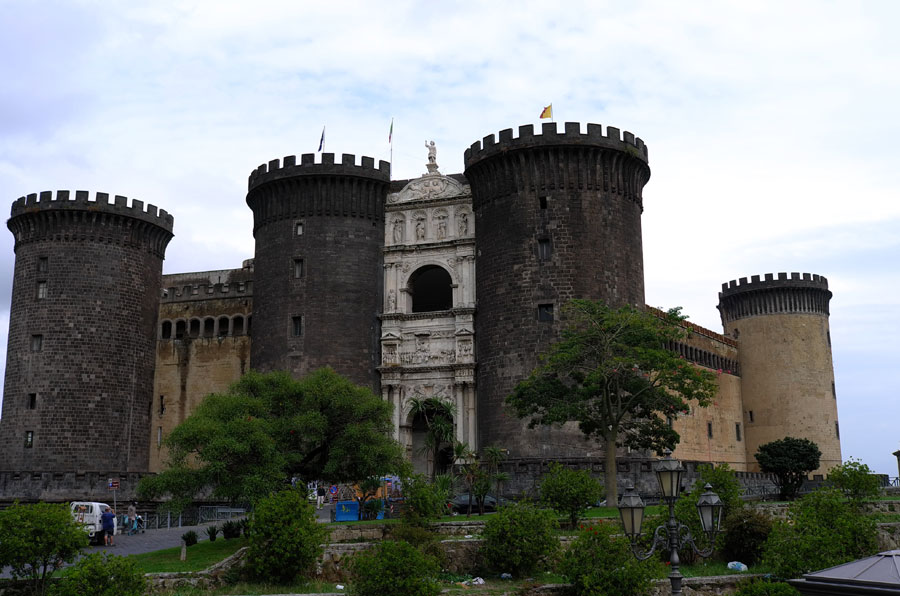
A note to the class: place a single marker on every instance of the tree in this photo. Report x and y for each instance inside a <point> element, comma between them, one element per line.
<point>269,428</point>
<point>570,492</point>
<point>36,540</point>
<point>855,479</point>
<point>790,460</point>
<point>437,415</point>
<point>612,372</point>
<point>493,455</point>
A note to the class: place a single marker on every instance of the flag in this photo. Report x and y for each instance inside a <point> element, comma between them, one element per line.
<point>322,140</point>
<point>547,112</point>
<point>391,132</point>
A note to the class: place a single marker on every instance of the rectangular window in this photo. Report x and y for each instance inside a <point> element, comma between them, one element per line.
<point>32,401</point>
<point>837,430</point>
<point>162,405</point>
<point>29,439</point>
<point>737,430</point>
<point>543,202</point>
<point>297,326</point>
<point>833,391</point>
<point>669,421</point>
<point>159,436</point>
<point>41,290</point>
<point>298,268</point>
<point>544,249</point>
<point>750,413</point>
<point>37,343</point>
<point>545,312</point>
<point>298,228</point>
<point>43,264</point>
<point>709,430</point>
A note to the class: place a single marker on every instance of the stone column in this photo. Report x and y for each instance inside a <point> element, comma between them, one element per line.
<point>459,392</point>
<point>470,409</point>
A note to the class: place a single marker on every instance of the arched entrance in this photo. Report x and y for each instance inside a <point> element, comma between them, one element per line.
<point>431,288</point>
<point>431,436</point>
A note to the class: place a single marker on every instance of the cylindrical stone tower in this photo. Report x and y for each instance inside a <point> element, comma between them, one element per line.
<point>82,335</point>
<point>558,216</point>
<point>787,376</point>
<point>318,265</point>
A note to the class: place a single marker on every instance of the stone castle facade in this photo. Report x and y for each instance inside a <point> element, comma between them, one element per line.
<point>377,279</point>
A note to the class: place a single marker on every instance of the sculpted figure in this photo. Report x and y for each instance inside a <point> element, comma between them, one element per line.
<point>420,230</point>
<point>432,151</point>
<point>463,224</point>
<point>392,300</point>
<point>398,231</point>
<point>442,228</point>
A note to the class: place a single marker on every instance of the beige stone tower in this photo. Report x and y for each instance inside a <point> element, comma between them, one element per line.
<point>787,377</point>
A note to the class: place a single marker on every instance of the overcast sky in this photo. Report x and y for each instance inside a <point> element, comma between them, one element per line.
<point>772,130</point>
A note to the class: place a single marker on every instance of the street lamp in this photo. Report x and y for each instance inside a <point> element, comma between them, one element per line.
<point>672,534</point>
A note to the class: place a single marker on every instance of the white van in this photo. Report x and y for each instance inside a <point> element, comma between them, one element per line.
<point>88,514</point>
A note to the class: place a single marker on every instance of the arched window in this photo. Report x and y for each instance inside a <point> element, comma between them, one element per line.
<point>180,328</point>
<point>209,326</point>
<point>238,325</point>
<point>195,327</point>
<point>167,329</point>
<point>223,326</point>
<point>431,288</point>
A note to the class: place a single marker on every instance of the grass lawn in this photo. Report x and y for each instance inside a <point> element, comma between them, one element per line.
<point>200,556</point>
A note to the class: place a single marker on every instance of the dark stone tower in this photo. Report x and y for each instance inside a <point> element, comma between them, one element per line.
<point>82,336</point>
<point>787,375</point>
<point>558,216</point>
<point>318,267</point>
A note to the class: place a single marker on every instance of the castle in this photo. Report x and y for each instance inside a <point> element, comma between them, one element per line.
<point>377,279</point>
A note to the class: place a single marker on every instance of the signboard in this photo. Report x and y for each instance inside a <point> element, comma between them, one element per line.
<point>113,484</point>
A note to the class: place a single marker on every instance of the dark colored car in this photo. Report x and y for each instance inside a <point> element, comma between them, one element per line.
<point>460,503</point>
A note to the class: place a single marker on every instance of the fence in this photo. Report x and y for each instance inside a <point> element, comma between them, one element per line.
<point>156,520</point>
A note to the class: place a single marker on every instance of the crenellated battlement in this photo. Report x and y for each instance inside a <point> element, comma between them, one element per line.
<point>197,292</point>
<point>550,136</point>
<point>798,293</point>
<point>81,200</point>
<point>693,327</point>
<point>288,167</point>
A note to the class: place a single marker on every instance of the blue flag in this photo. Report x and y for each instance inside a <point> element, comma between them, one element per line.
<point>322,140</point>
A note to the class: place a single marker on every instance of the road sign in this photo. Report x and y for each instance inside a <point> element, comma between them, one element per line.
<point>113,484</point>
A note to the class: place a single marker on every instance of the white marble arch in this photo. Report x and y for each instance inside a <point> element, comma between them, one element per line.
<point>404,288</point>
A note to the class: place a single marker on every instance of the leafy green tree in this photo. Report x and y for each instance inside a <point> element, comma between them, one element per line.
<point>613,373</point>
<point>423,501</point>
<point>855,479</point>
<point>36,540</point>
<point>570,492</point>
<point>519,538</point>
<point>823,530</point>
<point>494,456</point>
<point>268,428</point>
<point>285,538</point>
<point>102,574</point>
<point>790,460</point>
<point>437,415</point>
<point>600,563</point>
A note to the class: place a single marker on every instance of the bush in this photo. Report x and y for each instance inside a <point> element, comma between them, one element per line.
<point>745,532</point>
<point>423,502</point>
<point>765,588</point>
<point>189,538</point>
<point>570,492</point>
<point>102,574</point>
<point>245,526</point>
<point>823,531</point>
<point>212,532</point>
<point>37,539</point>
<point>518,538</point>
<point>231,529</point>
<point>791,460</point>
<point>285,538</point>
<point>600,563</point>
<point>725,484</point>
<point>855,479</point>
<point>426,541</point>
<point>393,567</point>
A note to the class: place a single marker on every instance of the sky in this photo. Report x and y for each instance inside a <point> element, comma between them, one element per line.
<point>772,130</point>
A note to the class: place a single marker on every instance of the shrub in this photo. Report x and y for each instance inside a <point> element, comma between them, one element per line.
<point>745,532</point>
<point>245,526</point>
<point>791,460</point>
<point>570,492</point>
<point>725,484</point>
<point>423,502</point>
<point>519,537</point>
<point>37,539</point>
<point>212,532</point>
<point>855,479</point>
<point>393,567</point>
<point>231,529</point>
<point>285,538</point>
<point>823,531</point>
<point>426,541</point>
<point>102,574</point>
<point>756,587</point>
<point>189,538</point>
<point>600,563</point>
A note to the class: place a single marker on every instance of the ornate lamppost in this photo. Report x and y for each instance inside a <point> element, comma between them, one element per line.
<point>673,534</point>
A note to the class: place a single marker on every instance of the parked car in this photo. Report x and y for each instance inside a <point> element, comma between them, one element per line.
<point>87,513</point>
<point>460,503</point>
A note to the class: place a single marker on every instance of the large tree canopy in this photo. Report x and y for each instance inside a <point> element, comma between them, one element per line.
<point>614,373</point>
<point>268,428</point>
<point>790,459</point>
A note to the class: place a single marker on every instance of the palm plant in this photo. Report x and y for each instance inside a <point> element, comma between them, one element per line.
<point>438,417</point>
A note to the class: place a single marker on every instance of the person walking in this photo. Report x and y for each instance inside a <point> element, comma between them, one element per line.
<point>320,496</point>
<point>132,518</point>
<point>108,523</point>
